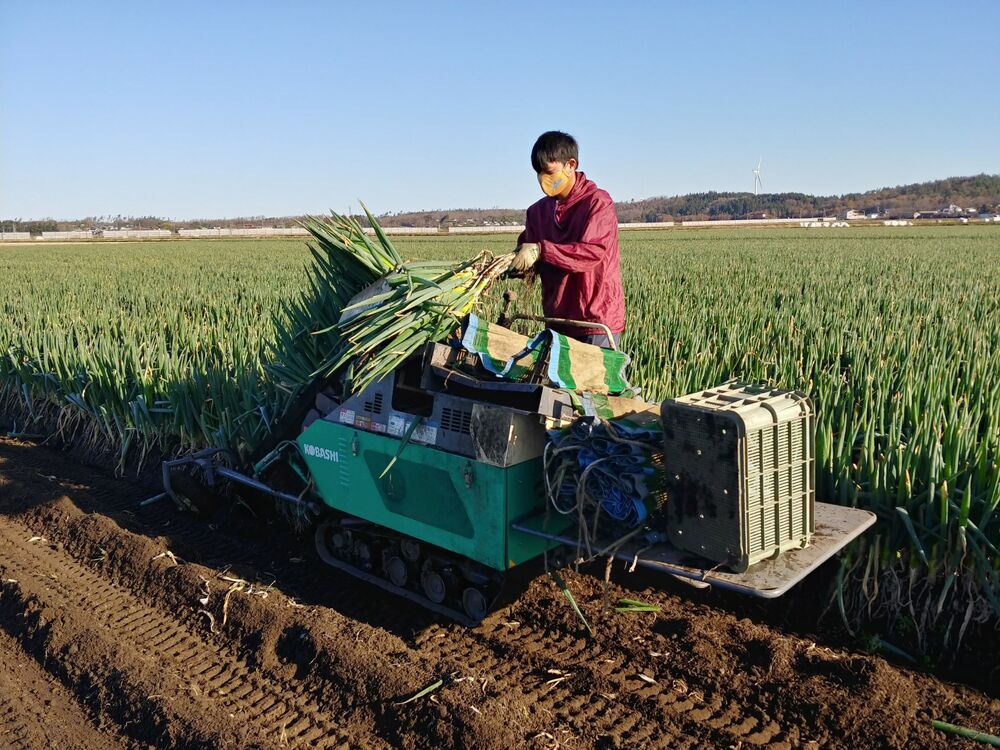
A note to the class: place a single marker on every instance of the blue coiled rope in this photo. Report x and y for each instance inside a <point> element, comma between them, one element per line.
<point>599,465</point>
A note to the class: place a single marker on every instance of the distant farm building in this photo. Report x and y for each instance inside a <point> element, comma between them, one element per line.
<point>853,214</point>
<point>246,232</point>
<point>138,234</point>
<point>951,212</point>
<point>80,234</point>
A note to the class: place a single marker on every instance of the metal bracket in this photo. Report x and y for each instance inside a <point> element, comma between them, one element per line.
<point>507,320</point>
<point>204,460</point>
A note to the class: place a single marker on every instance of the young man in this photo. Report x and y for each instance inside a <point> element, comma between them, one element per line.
<point>572,237</point>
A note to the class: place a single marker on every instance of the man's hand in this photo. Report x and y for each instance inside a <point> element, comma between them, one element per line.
<point>525,257</point>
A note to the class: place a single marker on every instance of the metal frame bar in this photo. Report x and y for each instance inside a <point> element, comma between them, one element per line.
<point>506,320</point>
<point>203,459</point>
<point>568,322</point>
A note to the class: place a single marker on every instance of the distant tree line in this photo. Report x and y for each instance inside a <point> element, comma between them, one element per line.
<point>981,192</point>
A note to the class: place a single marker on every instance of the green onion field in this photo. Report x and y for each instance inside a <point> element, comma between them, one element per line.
<point>893,332</point>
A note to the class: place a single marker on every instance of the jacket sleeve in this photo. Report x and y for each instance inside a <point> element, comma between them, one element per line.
<point>594,244</point>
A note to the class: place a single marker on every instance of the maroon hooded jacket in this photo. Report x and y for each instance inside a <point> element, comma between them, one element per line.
<point>579,264</point>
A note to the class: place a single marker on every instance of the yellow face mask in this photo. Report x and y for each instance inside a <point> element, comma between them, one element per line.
<point>554,184</point>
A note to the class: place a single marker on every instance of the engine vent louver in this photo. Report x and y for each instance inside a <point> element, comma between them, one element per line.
<point>375,405</point>
<point>456,420</point>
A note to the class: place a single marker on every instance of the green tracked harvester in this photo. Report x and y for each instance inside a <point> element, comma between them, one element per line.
<point>430,484</point>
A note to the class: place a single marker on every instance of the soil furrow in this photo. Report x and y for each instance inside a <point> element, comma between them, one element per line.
<point>36,711</point>
<point>59,583</point>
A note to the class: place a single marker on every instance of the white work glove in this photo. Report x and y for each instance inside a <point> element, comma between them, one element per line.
<point>525,256</point>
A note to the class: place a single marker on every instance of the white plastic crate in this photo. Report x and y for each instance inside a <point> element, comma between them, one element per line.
<point>739,470</point>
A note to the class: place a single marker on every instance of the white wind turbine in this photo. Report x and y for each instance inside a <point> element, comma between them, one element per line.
<point>757,184</point>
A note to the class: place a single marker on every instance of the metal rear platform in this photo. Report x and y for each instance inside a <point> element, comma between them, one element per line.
<point>836,527</point>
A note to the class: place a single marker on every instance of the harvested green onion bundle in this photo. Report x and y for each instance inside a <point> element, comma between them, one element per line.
<point>345,261</point>
<point>414,304</point>
<point>367,310</point>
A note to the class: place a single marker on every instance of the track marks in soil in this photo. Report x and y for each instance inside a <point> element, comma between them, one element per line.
<point>726,681</point>
<point>624,709</point>
<point>151,668</point>
<point>358,669</point>
<point>592,692</point>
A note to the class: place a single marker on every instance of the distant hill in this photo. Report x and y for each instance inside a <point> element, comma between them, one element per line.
<point>981,192</point>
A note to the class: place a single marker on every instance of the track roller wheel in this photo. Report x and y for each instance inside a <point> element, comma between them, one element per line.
<point>331,541</point>
<point>397,571</point>
<point>410,548</point>
<point>363,554</point>
<point>474,603</point>
<point>439,582</point>
<point>434,586</point>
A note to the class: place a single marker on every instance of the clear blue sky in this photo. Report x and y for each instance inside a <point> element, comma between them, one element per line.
<point>208,109</point>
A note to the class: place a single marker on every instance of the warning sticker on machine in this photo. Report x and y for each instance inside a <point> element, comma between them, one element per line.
<point>368,423</point>
<point>423,433</point>
<point>361,421</point>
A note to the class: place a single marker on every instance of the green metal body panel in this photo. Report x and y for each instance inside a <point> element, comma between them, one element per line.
<point>440,498</point>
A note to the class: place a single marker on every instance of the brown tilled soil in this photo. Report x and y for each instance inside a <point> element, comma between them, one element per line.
<point>130,627</point>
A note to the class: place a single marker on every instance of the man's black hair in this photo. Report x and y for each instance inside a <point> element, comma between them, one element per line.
<point>551,146</point>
